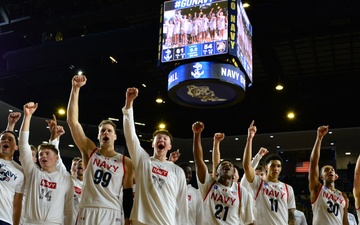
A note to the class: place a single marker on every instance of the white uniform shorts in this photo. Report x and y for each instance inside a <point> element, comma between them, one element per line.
<point>99,216</point>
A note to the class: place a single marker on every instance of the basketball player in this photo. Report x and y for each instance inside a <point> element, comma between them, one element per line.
<point>160,194</point>
<point>108,176</point>
<point>224,201</point>
<point>11,178</point>
<point>193,197</point>
<point>49,193</point>
<point>274,200</point>
<point>328,203</point>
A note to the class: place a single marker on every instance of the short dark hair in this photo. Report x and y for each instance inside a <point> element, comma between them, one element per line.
<point>11,132</point>
<point>107,122</point>
<point>166,132</point>
<point>273,157</point>
<point>48,146</point>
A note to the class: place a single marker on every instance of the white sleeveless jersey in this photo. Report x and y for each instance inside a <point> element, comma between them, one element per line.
<point>103,182</point>
<point>273,201</point>
<point>328,208</point>
<point>195,205</point>
<point>225,205</point>
<point>11,182</point>
<point>49,196</point>
<point>160,194</point>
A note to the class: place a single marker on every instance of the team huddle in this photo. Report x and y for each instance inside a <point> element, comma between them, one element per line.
<point>108,188</point>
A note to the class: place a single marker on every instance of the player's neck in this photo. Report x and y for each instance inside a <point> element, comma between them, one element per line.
<point>330,186</point>
<point>6,157</point>
<point>272,179</point>
<point>108,152</point>
<point>161,158</point>
<point>49,169</point>
<point>224,181</point>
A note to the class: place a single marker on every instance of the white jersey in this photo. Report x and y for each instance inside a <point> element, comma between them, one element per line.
<point>160,194</point>
<point>358,213</point>
<point>329,206</point>
<point>225,205</point>
<point>300,217</point>
<point>352,219</point>
<point>78,186</point>
<point>49,196</point>
<point>195,205</point>
<point>11,182</point>
<point>274,201</point>
<point>103,184</point>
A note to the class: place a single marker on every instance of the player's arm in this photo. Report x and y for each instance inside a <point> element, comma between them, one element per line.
<point>24,147</point>
<point>12,120</point>
<point>314,182</point>
<point>127,190</point>
<point>132,141</point>
<point>85,145</point>
<point>17,207</point>
<point>248,169</point>
<point>216,156</point>
<point>55,132</point>
<point>345,216</point>
<point>201,168</point>
<point>291,220</point>
<point>356,188</point>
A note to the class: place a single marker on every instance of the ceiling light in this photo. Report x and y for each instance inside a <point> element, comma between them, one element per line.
<point>113,60</point>
<point>279,87</point>
<point>347,153</point>
<point>246,5</point>
<point>159,99</point>
<point>291,115</point>
<point>61,112</point>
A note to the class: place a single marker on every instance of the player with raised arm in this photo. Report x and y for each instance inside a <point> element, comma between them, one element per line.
<point>108,175</point>
<point>328,203</point>
<point>224,201</point>
<point>275,200</point>
<point>160,194</point>
<point>49,193</point>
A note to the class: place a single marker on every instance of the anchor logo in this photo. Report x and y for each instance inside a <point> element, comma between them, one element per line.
<point>167,55</point>
<point>196,73</point>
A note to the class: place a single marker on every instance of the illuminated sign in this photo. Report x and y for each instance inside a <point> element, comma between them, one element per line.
<point>206,84</point>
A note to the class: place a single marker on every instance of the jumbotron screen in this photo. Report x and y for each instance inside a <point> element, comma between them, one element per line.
<point>193,29</point>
